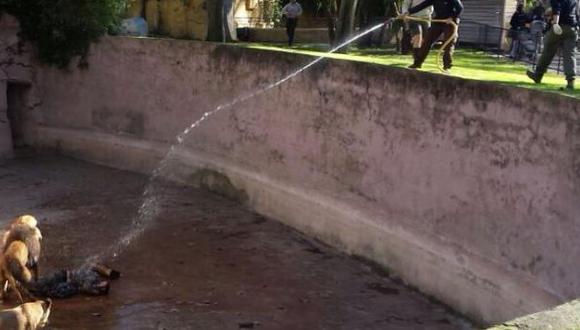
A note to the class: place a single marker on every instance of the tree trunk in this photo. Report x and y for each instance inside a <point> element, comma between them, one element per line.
<point>331,12</point>
<point>216,25</point>
<point>346,18</point>
<point>229,20</point>
<point>221,25</point>
<point>384,27</point>
<point>390,12</point>
<point>364,19</point>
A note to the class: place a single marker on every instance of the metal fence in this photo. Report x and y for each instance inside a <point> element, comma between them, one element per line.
<point>524,45</point>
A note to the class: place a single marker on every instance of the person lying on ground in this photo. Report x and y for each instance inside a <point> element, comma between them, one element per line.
<point>94,281</point>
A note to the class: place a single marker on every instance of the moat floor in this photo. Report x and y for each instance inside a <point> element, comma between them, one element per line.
<point>205,262</point>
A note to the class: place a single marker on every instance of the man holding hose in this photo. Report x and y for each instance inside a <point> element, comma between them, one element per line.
<point>418,29</point>
<point>564,33</point>
<point>445,10</point>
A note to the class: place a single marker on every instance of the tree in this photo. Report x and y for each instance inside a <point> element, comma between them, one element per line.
<point>331,13</point>
<point>388,13</point>
<point>369,13</point>
<point>220,20</point>
<point>346,18</point>
<point>63,29</point>
<point>364,17</point>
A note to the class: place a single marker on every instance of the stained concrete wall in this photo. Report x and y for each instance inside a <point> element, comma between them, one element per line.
<point>467,190</point>
<point>15,67</point>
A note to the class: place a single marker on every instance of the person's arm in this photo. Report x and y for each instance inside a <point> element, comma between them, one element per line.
<point>556,19</point>
<point>421,6</point>
<point>285,10</point>
<point>556,9</point>
<point>457,8</point>
<point>513,21</point>
<point>299,10</point>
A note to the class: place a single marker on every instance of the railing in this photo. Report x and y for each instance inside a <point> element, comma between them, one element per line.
<point>525,45</point>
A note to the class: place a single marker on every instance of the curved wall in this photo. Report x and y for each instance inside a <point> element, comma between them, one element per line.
<point>467,190</point>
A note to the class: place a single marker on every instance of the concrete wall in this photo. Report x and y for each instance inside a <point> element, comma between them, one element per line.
<point>467,190</point>
<point>279,35</point>
<point>15,67</point>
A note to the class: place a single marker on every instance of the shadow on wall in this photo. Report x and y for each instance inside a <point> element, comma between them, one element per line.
<point>12,107</point>
<point>218,183</point>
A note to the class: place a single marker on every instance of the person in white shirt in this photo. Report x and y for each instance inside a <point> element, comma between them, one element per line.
<point>291,11</point>
<point>417,28</point>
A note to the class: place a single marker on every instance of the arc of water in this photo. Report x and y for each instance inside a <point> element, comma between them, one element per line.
<point>150,206</point>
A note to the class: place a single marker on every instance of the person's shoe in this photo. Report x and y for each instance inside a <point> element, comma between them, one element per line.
<point>534,76</point>
<point>414,66</point>
<point>569,86</point>
<point>415,54</point>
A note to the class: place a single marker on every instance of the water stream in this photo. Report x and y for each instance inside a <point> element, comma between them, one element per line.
<point>152,195</point>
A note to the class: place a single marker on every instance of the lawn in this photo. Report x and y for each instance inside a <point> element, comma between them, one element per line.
<point>468,64</point>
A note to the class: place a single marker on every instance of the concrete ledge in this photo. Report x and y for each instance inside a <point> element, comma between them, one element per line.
<point>563,317</point>
<point>489,294</point>
<point>279,35</point>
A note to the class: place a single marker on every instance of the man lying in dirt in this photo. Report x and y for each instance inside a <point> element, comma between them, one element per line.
<point>92,281</point>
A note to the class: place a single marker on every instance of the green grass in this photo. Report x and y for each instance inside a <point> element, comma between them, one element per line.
<point>468,64</point>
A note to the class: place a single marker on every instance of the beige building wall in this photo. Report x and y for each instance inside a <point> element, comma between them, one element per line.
<point>188,18</point>
<point>248,13</point>
<point>174,18</point>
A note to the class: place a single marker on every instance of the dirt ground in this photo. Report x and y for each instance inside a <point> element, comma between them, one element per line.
<point>205,263</point>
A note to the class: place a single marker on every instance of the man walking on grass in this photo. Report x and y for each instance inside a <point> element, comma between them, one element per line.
<point>291,11</point>
<point>449,10</point>
<point>563,34</point>
<point>418,29</point>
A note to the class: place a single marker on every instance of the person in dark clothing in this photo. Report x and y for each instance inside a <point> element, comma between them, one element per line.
<point>519,18</point>
<point>92,281</point>
<point>563,34</point>
<point>449,10</point>
<point>291,11</point>
<point>518,26</point>
<point>538,11</point>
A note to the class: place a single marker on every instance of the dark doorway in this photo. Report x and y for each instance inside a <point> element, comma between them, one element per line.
<point>17,94</point>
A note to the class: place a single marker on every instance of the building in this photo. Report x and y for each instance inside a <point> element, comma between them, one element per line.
<point>485,22</point>
<point>188,19</point>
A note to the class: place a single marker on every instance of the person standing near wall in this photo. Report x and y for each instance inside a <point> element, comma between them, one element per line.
<point>449,10</point>
<point>563,34</point>
<point>518,27</point>
<point>418,28</point>
<point>291,11</point>
<point>538,11</point>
